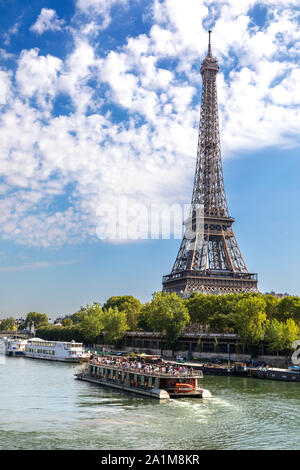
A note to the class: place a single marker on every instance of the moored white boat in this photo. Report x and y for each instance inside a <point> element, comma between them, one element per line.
<point>15,347</point>
<point>37,348</point>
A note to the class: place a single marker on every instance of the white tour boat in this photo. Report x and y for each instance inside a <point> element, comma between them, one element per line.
<point>37,348</point>
<point>15,347</point>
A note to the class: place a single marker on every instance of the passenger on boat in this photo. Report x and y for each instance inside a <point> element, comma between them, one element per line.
<point>126,363</point>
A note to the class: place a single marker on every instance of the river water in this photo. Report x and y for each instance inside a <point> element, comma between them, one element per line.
<point>43,407</point>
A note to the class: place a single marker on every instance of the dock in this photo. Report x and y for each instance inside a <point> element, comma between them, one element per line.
<point>284,375</point>
<point>272,373</point>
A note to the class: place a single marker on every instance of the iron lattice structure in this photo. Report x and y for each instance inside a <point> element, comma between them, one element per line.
<point>210,261</point>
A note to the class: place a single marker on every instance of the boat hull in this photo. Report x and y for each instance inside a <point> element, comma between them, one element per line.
<point>154,393</point>
<point>73,360</point>
<point>15,353</point>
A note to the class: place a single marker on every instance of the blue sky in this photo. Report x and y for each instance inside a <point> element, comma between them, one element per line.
<point>99,100</point>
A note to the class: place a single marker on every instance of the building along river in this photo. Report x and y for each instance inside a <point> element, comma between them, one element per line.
<point>43,407</point>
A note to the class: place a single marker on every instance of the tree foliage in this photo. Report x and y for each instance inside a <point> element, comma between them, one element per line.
<point>8,324</point>
<point>291,332</point>
<point>115,325</point>
<point>200,307</point>
<point>61,333</point>
<point>274,336</point>
<point>281,335</point>
<point>168,314</point>
<point>78,316</point>
<point>92,322</point>
<point>37,318</point>
<point>271,306</point>
<point>220,322</point>
<point>289,307</point>
<point>128,304</point>
<point>250,320</point>
<point>255,317</point>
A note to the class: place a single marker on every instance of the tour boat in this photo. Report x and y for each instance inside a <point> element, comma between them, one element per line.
<point>15,347</point>
<point>37,348</point>
<point>162,382</point>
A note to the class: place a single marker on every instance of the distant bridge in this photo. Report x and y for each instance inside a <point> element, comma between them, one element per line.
<point>15,334</point>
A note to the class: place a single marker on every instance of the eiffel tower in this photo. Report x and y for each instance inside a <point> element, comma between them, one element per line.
<point>210,260</point>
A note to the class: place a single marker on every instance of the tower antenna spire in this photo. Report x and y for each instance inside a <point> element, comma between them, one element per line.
<point>209,44</point>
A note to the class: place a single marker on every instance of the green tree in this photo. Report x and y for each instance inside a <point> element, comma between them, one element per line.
<point>212,310</point>
<point>61,333</point>
<point>225,304</point>
<point>92,323</point>
<point>143,323</point>
<point>37,318</point>
<point>271,306</point>
<point>200,307</point>
<point>115,325</point>
<point>168,314</point>
<point>291,332</point>
<point>67,322</point>
<point>219,322</point>
<point>78,316</point>
<point>274,336</point>
<point>289,307</point>
<point>281,335</point>
<point>8,324</point>
<point>250,320</point>
<point>128,304</point>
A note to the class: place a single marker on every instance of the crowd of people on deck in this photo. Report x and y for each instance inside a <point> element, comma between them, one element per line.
<point>127,363</point>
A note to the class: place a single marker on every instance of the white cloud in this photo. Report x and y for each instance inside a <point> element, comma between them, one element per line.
<point>287,92</point>
<point>261,56</point>
<point>76,74</point>
<point>38,75</point>
<point>47,21</point>
<point>36,265</point>
<point>5,86</point>
<point>183,18</point>
<point>131,127</point>
<point>101,8</point>
<point>12,31</point>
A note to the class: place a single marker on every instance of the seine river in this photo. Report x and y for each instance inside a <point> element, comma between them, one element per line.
<point>43,407</point>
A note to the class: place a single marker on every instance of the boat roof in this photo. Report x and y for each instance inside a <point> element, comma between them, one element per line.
<point>56,342</point>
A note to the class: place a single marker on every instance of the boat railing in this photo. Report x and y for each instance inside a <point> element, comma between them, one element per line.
<point>153,372</point>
